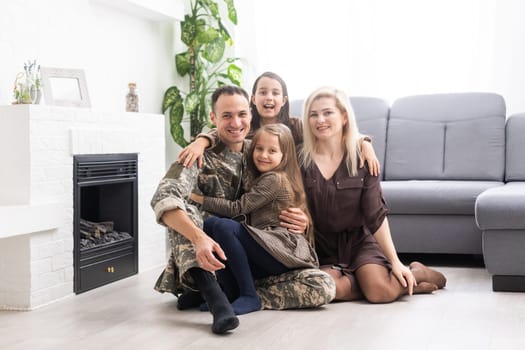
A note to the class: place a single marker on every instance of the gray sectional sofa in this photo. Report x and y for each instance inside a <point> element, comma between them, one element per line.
<point>500,214</point>
<point>453,176</point>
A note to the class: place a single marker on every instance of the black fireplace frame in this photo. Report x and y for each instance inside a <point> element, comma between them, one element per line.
<point>109,262</point>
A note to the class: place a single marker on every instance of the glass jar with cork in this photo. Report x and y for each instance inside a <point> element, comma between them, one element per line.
<point>132,99</point>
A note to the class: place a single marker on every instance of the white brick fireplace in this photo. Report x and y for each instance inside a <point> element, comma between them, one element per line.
<point>37,144</point>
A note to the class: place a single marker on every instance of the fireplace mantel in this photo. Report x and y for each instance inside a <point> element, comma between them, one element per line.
<point>23,219</point>
<point>37,145</point>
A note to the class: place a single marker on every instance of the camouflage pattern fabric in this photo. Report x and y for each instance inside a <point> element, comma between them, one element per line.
<point>224,175</point>
<point>296,289</point>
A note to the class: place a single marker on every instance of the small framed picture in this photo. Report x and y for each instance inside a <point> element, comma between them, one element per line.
<point>64,87</point>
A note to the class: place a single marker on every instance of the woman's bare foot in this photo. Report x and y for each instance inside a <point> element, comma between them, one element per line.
<point>425,288</point>
<point>423,274</point>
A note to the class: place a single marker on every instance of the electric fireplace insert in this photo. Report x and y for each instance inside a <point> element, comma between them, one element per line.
<point>105,219</point>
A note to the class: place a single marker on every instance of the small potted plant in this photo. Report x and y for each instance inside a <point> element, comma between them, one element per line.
<point>28,84</point>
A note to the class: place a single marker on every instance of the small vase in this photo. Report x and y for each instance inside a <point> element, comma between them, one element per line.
<point>32,93</point>
<point>36,95</point>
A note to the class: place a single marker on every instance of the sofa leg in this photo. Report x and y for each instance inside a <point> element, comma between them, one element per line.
<point>504,283</point>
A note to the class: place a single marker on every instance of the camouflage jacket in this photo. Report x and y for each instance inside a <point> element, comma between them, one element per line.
<point>222,175</point>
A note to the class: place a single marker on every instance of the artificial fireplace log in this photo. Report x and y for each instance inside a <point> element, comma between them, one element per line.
<point>95,229</point>
<point>114,236</point>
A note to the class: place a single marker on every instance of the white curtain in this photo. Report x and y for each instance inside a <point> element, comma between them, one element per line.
<point>391,49</point>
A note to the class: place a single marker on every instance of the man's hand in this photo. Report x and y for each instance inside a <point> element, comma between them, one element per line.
<point>294,219</point>
<point>205,247</point>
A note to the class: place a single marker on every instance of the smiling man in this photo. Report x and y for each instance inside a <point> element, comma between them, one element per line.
<point>194,255</point>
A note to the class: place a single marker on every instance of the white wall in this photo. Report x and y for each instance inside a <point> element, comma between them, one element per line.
<point>391,49</point>
<point>126,48</point>
<point>40,230</point>
<point>115,42</point>
<point>113,45</point>
<point>246,43</point>
<point>377,47</point>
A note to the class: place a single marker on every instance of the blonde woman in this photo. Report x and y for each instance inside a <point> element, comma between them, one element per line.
<point>352,235</point>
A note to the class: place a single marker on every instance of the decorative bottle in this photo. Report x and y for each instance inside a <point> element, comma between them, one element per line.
<point>132,99</point>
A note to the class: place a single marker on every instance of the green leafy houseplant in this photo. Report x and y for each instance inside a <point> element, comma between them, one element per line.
<point>205,36</point>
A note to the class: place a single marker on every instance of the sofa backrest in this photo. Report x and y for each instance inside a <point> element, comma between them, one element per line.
<point>459,136</point>
<point>296,108</point>
<point>372,116</point>
<point>515,157</point>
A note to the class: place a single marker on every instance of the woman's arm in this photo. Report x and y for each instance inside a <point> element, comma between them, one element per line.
<point>375,211</point>
<point>402,273</point>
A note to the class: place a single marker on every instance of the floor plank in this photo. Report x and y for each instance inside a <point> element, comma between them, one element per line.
<point>129,314</point>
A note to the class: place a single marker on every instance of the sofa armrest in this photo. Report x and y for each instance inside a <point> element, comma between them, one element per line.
<point>501,207</point>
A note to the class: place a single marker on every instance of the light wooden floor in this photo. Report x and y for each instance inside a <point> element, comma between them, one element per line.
<point>129,314</point>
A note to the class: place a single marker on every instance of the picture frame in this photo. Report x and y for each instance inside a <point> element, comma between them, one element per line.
<point>64,87</point>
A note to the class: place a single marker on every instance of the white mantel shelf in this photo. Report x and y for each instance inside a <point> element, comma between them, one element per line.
<point>23,219</point>
<point>37,147</point>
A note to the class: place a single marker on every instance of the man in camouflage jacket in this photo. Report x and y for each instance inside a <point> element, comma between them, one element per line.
<point>223,174</point>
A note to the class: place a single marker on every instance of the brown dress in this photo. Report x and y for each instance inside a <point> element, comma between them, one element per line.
<point>346,211</point>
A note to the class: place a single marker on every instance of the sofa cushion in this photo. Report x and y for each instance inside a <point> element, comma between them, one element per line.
<point>446,137</point>
<point>502,208</point>
<point>515,157</point>
<point>434,197</point>
<point>296,108</point>
<point>372,117</point>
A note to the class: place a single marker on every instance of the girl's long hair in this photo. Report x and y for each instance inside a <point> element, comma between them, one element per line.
<point>350,139</point>
<point>288,168</point>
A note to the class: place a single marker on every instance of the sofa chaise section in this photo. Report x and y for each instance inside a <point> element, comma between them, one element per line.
<point>500,214</point>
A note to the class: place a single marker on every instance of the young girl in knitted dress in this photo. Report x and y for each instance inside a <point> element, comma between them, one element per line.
<point>255,243</point>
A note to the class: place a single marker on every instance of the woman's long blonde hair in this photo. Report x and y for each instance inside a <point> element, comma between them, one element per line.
<point>288,168</point>
<point>350,139</point>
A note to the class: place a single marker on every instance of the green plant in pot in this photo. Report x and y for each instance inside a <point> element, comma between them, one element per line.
<point>204,63</point>
<point>28,84</point>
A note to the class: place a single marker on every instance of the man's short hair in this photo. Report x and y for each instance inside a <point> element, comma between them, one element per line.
<point>227,90</point>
